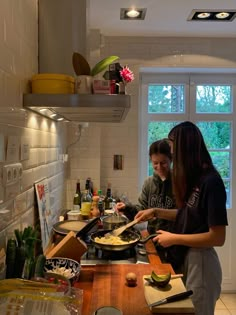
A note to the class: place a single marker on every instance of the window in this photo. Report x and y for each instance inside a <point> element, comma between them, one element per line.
<point>205,99</point>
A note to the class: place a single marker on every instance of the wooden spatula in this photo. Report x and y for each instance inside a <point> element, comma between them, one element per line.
<point>121,229</point>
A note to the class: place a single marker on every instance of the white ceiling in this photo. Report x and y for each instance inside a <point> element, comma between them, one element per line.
<point>163,18</point>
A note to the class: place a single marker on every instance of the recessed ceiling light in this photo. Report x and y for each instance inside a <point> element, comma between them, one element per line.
<point>212,15</point>
<point>132,13</point>
<point>222,15</point>
<point>203,15</point>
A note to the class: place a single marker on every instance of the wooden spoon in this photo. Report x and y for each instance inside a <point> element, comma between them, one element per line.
<point>121,229</point>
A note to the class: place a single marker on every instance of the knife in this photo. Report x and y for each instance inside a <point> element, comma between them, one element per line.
<point>172,298</point>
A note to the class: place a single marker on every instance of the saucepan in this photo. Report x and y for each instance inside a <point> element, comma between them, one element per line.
<point>129,236</point>
<point>112,222</point>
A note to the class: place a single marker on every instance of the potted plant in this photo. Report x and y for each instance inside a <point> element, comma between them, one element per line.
<point>81,66</point>
<point>84,72</point>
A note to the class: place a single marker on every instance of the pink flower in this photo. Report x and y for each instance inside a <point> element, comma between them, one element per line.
<point>126,74</point>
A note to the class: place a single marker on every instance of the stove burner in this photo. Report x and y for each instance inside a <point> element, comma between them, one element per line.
<point>99,256</point>
<point>117,255</point>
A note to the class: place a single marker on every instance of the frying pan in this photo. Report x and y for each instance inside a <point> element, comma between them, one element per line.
<point>81,228</point>
<point>127,235</point>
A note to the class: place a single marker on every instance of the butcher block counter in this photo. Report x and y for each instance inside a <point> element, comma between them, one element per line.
<point>105,285</point>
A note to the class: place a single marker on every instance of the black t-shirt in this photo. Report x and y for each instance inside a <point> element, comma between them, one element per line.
<point>206,207</point>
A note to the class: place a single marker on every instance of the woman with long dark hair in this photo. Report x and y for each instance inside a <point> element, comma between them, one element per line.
<point>200,219</point>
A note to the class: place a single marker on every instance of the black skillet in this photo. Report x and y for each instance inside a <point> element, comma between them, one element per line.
<point>130,236</point>
<point>80,229</point>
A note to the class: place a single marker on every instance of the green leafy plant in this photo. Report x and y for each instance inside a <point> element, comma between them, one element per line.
<point>81,66</point>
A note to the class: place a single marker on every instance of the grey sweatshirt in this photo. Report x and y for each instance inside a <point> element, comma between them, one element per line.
<point>155,194</point>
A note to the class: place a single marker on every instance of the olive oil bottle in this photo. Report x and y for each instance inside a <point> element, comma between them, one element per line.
<point>86,203</point>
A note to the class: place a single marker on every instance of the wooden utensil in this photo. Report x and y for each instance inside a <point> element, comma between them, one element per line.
<point>121,229</point>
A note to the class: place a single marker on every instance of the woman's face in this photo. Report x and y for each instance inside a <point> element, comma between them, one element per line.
<point>161,164</point>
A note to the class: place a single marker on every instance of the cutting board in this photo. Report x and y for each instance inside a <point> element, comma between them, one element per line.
<point>70,247</point>
<point>154,294</point>
<point>109,288</point>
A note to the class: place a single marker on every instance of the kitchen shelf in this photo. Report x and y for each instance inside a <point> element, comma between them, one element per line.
<point>79,107</point>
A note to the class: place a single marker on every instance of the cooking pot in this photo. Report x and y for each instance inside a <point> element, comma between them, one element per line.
<point>112,222</point>
<point>127,235</point>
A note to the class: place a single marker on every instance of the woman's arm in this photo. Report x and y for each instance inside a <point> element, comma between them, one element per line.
<point>215,237</point>
<point>167,214</point>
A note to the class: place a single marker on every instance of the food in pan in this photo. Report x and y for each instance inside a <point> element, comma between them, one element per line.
<point>113,240</point>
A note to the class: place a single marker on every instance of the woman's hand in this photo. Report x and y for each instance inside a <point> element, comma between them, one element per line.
<point>144,215</point>
<point>120,206</point>
<point>164,238</point>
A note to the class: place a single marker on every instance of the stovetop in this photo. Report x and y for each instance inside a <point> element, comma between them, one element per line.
<point>133,255</point>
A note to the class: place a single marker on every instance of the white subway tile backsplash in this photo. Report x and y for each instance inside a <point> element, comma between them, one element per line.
<point>27,219</point>
<point>20,204</point>
<point>41,156</point>
<point>6,213</point>
<point>27,179</point>
<point>30,198</point>
<point>18,62</point>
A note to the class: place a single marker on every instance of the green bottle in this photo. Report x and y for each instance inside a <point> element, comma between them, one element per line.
<point>77,198</point>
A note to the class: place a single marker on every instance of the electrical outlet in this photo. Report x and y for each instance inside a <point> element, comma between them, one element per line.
<point>11,174</point>
<point>7,175</point>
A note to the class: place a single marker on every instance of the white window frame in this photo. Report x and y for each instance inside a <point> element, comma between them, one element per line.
<point>190,80</point>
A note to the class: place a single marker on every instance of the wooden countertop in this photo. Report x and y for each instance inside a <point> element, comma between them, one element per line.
<point>105,285</point>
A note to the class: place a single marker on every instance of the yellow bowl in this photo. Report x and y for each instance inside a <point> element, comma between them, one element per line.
<point>50,83</point>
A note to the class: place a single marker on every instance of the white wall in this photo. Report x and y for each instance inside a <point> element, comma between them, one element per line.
<point>18,62</point>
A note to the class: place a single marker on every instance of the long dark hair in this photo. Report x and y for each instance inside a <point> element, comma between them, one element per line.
<point>190,159</point>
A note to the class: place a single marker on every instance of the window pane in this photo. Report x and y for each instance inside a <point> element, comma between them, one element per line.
<point>221,161</point>
<point>213,99</point>
<point>165,98</point>
<point>159,129</point>
<point>228,193</point>
<point>217,135</point>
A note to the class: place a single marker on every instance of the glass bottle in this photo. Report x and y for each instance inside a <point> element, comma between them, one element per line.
<point>108,200</point>
<point>77,198</point>
<point>86,203</point>
<point>89,186</point>
<point>101,203</point>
